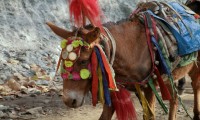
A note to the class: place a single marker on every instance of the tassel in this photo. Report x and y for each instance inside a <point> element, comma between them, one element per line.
<point>94,78</point>
<point>148,113</point>
<point>123,105</point>
<point>111,81</point>
<point>163,89</point>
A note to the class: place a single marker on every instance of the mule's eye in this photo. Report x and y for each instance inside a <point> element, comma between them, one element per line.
<point>83,62</point>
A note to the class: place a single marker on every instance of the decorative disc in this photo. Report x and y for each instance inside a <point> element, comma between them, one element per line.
<point>72,56</point>
<point>69,48</point>
<point>68,63</point>
<point>64,54</point>
<point>85,73</point>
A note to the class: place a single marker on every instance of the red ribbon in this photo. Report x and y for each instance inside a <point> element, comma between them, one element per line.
<point>94,78</point>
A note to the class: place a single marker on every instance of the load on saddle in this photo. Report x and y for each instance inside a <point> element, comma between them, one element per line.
<point>177,29</point>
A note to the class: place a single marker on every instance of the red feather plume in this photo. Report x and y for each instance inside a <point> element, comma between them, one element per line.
<point>85,8</point>
<point>123,105</point>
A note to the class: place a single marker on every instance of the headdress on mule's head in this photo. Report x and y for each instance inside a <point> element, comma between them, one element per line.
<point>79,9</point>
<point>70,53</point>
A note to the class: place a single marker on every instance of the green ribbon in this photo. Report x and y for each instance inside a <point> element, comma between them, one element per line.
<point>150,82</point>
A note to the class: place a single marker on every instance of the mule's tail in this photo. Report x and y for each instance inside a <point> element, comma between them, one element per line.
<point>123,105</point>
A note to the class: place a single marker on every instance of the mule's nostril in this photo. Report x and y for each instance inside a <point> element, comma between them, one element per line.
<point>74,102</point>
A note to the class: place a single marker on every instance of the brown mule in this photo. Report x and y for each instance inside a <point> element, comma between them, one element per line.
<point>132,63</point>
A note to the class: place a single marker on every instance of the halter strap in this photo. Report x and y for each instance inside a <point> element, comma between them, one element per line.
<point>113,44</point>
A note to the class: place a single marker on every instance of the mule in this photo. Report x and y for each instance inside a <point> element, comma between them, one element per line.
<point>132,63</point>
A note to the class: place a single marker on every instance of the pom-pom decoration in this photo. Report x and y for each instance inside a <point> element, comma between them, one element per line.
<point>79,9</point>
<point>63,43</point>
<point>85,73</point>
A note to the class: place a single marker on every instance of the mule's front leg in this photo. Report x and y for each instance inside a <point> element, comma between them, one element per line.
<point>107,113</point>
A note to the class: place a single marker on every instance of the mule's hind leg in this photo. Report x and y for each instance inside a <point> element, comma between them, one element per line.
<point>177,74</point>
<point>195,76</point>
<point>173,104</point>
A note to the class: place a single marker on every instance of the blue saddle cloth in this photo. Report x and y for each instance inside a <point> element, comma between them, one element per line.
<point>191,37</point>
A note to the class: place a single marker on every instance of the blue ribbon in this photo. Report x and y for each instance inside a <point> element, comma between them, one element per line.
<point>105,82</point>
<point>162,59</point>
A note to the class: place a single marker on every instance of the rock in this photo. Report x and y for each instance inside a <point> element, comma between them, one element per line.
<point>35,110</point>
<point>33,95</point>
<point>19,76</point>
<point>23,88</point>
<point>12,115</point>
<point>5,90</point>
<point>14,62</point>
<point>43,89</point>
<point>2,81</point>
<point>31,83</point>
<point>4,108</point>
<point>34,91</point>
<point>17,108</point>
<point>24,84</point>
<point>13,85</point>
<point>1,87</point>
<point>42,82</point>
<point>26,66</point>
<point>35,67</point>
<point>2,114</point>
<point>46,101</point>
<point>3,78</point>
<point>11,97</point>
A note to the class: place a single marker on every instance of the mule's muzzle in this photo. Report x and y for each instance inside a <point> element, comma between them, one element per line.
<point>73,101</point>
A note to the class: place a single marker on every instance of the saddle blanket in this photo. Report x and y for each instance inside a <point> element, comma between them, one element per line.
<point>189,29</point>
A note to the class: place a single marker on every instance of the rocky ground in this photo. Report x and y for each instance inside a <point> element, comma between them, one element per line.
<point>37,102</point>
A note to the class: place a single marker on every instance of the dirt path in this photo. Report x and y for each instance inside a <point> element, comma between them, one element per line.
<point>50,107</point>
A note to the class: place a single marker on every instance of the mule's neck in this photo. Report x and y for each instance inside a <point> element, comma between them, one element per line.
<point>132,60</point>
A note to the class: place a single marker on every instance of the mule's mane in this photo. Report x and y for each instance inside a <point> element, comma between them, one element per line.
<point>116,23</point>
<point>107,24</point>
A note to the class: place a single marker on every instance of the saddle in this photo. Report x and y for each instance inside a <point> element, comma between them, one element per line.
<point>177,48</point>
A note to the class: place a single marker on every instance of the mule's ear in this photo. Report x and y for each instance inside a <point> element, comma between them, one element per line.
<point>93,35</point>
<point>59,31</point>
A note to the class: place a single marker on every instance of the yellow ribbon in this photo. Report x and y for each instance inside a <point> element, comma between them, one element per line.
<point>148,113</point>
<point>101,92</point>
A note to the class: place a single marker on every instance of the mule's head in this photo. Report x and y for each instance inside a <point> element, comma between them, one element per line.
<point>77,48</point>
